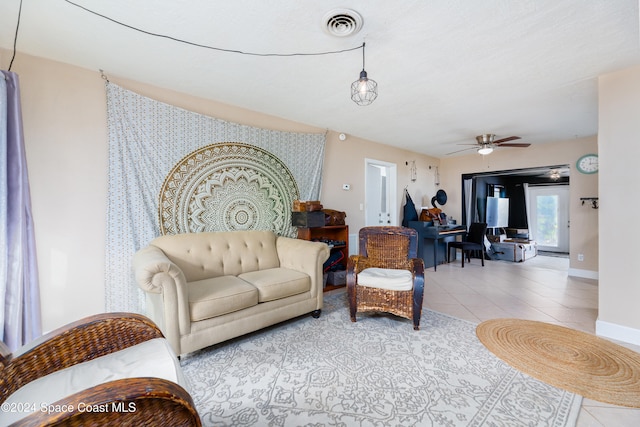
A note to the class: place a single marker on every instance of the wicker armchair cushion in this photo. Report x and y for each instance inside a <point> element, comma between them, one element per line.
<point>386,278</point>
<point>153,358</point>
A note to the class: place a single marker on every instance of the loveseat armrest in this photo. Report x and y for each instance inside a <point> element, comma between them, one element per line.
<point>77,342</point>
<point>156,274</point>
<point>124,402</point>
<point>304,256</point>
<point>148,263</point>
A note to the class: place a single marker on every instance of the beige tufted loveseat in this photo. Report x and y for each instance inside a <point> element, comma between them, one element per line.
<point>205,288</point>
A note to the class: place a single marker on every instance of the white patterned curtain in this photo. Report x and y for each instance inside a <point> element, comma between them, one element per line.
<point>147,139</point>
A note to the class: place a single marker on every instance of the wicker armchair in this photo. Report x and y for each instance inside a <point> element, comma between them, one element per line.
<point>386,250</point>
<point>137,401</point>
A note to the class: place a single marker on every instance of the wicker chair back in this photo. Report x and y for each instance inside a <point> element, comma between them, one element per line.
<point>388,244</point>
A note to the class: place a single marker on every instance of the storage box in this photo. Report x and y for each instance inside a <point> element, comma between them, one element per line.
<point>307,219</point>
<point>306,206</point>
<point>517,233</point>
<point>513,251</point>
<point>493,238</point>
<point>299,206</point>
<point>337,278</point>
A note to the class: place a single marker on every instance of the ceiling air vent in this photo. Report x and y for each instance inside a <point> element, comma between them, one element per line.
<point>342,22</point>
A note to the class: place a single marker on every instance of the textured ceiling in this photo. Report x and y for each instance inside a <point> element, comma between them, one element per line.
<point>447,70</point>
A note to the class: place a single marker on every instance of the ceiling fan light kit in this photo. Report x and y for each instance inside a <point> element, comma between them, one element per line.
<point>485,149</point>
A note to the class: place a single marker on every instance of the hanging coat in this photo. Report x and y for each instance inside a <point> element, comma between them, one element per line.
<point>409,213</point>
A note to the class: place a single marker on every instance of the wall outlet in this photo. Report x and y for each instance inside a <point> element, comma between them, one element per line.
<point>580,257</point>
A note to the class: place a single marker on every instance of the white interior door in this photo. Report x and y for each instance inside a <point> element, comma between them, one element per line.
<point>549,207</point>
<point>380,193</point>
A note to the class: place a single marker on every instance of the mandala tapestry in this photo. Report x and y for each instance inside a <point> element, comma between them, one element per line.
<point>227,187</point>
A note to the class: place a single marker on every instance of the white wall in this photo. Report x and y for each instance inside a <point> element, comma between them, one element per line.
<point>619,149</point>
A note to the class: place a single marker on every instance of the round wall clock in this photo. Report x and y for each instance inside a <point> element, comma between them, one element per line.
<point>587,163</point>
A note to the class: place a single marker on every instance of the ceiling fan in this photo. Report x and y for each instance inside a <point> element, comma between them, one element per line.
<point>486,143</point>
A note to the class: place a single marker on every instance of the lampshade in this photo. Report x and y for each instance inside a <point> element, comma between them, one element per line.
<point>364,90</point>
<point>485,149</point>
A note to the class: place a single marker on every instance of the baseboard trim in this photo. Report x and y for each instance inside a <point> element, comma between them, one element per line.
<point>618,332</point>
<point>587,274</point>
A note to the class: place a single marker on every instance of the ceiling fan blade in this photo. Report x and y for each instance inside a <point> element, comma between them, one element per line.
<point>510,138</point>
<point>458,151</point>
<point>522,145</point>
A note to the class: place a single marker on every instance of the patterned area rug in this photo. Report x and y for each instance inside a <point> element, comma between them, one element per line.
<point>376,372</point>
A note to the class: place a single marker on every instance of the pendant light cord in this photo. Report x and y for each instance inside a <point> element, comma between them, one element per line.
<point>15,38</point>
<point>206,46</point>
<point>363,43</point>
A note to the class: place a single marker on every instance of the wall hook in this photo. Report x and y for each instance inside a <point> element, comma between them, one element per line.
<point>593,200</point>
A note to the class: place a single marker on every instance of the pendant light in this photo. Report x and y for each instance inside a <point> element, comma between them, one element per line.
<point>364,90</point>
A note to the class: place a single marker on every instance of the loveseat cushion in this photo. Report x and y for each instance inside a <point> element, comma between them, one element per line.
<point>153,358</point>
<point>219,295</point>
<point>276,283</point>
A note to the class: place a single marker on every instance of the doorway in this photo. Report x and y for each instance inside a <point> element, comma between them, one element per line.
<point>380,193</point>
<point>549,217</point>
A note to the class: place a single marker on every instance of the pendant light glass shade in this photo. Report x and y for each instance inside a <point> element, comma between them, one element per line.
<point>364,90</point>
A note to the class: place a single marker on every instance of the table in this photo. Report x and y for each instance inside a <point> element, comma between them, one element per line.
<point>432,241</point>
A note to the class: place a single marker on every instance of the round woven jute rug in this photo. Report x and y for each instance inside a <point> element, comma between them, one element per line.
<point>565,358</point>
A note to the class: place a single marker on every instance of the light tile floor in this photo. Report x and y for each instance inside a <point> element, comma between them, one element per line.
<point>537,289</point>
